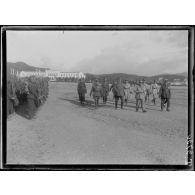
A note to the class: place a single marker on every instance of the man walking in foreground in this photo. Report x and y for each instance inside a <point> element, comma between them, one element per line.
<point>118,91</point>
<point>147,91</point>
<point>154,89</point>
<point>165,95</point>
<point>140,96</point>
<point>96,91</point>
<point>82,90</point>
<point>127,87</point>
<point>105,90</point>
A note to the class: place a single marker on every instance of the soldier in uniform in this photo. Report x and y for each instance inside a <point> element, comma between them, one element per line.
<point>10,103</point>
<point>147,90</point>
<point>82,90</point>
<point>127,88</point>
<point>165,95</point>
<point>118,91</point>
<point>140,96</point>
<point>12,100</point>
<point>32,97</point>
<point>105,90</point>
<point>112,88</point>
<point>96,91</point>
<point>154,89</point>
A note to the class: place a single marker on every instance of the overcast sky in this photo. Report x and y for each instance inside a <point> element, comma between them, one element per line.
<point>134,52</point>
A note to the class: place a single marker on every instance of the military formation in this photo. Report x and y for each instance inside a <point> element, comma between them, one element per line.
<point>25,95</point>
<point>125,91</point>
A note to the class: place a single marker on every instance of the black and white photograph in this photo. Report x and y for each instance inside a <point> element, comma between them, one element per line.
<point>106,95</point>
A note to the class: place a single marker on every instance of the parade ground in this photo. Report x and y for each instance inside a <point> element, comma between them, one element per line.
<point>64,132</point>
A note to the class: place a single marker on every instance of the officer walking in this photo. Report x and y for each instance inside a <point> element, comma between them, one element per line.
<point>118,91</point>
<point>165,95</point>
<point>82,90</point>
<point>127,88</point>
<point>147,90</point>
<point>105,90</point>
<point>96,91</point>
<point>140,96</point>
<point>154,89</point>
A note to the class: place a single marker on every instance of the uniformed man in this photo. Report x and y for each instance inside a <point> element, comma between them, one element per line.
<point>154,89</point>
<point>32,97</point>
<point>82,90</point>
<point>10,103</point>
<point>96,91</point>
<point>112,88</point>
<point>165,95</point>
<point>105,90</point>
<point>127,88</point>
<point>140,96</point>
<point>147,90</point>
<point>118,91</point>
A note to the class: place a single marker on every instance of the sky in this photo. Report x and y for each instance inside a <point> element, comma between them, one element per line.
<point>144,53</point>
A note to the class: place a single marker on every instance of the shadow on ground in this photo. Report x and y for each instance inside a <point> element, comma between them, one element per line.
<point>90,104</point>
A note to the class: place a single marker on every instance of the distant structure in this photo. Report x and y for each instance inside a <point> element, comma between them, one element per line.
<point>179,82</point>
<point>160,79</point>
<point>31,73</point>
<point>53,75</point>
<point>58,75</point>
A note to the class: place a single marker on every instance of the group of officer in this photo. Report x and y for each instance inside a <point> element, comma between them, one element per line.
<point>25,95</point>
<point>125,91</point>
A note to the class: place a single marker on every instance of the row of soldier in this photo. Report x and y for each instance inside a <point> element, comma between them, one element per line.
<point>25,95</point>
<point>126,91</point>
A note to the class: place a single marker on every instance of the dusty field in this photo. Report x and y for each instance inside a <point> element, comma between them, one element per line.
<point>64,132</point>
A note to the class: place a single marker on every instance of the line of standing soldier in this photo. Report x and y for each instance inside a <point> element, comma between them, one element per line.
<point>25,95</point>
<point>125,91</point>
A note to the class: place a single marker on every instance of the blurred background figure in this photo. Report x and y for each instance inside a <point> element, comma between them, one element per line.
<point>154,90</point>
<point>127,88</point>
<point>105,90</point>
<point>147,91</point>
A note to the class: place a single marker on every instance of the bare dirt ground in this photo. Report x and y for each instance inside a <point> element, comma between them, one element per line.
<point>64,132</point>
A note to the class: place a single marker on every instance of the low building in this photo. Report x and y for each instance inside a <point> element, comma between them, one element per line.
<point>53,75</point>
<point>31,73</point>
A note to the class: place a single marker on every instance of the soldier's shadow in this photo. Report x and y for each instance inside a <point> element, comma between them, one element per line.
<point>21,110</point>
<point>88,103</point>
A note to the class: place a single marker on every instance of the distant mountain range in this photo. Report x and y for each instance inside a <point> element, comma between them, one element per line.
<point>133,77</point>
<point>21,66</point>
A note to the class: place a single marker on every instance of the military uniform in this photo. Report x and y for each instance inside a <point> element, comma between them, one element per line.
<point>154,89</point>
<point>96,91</point>
<point>146,90</point>
<point>127,91</point>
<point>118,91</point>
<point>12,100</point>
<point>82,90</point>
<point>165,95</point>
<point>140,97</point>
<point>105,91</point>
<point>10,103</point>
<point>25,94</point>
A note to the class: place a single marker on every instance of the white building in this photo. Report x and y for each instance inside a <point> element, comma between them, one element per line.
<point>31,73</point>
<point>53,74</point>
